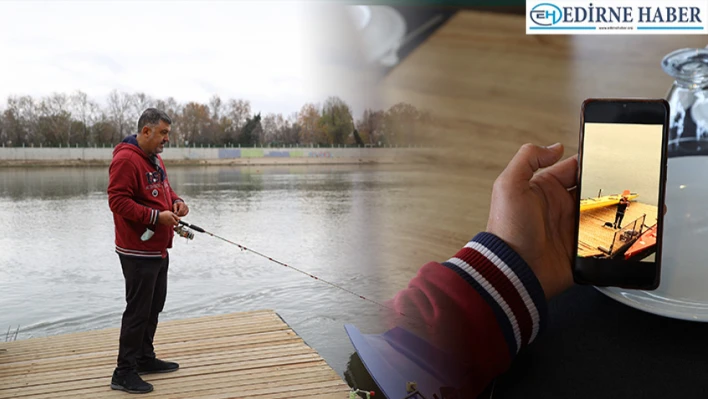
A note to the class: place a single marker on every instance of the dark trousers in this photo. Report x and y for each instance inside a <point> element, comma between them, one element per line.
<point>618,220</point>
<point>145,293</point>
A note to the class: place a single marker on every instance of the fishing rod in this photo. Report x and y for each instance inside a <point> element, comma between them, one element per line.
<point>186,233</point>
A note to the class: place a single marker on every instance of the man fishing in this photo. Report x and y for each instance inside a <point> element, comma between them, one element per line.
<point>145,211</point>
<point>621,207</point>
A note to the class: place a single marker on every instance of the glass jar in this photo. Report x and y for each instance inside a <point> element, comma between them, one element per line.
<point>688,99</point>
<point>684,274</point>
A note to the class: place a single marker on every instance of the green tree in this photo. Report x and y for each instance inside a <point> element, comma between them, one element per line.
<point>357,138</point>
<point>336,120</point>
<point>251,131</point>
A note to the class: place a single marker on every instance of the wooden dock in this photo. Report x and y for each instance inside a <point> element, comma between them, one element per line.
<point>239,355</point>
<point>594,234</point>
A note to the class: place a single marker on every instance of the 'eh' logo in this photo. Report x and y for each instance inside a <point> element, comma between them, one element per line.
<point>546,14</point>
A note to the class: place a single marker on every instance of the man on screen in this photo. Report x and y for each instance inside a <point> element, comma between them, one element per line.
<point>621,207</point>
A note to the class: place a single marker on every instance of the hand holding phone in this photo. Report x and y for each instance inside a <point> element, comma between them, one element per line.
<point>621,184</point>
<point>532,208</point>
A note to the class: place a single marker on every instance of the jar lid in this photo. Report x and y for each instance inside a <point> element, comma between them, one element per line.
<point>689,65</point>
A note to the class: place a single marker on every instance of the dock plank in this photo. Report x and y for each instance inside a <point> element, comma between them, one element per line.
<point>594,234</point>
<point>249,354</point>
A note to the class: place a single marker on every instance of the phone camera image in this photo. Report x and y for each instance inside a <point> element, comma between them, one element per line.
<point>620,191</point>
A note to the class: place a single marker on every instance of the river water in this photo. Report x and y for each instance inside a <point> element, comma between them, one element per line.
<point>622,157</point>
<point>59,272</point>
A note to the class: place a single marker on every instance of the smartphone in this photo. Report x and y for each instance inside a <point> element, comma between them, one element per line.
<point>619,214</point>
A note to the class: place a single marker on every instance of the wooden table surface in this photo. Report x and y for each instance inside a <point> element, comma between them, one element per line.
<point>491,89</point>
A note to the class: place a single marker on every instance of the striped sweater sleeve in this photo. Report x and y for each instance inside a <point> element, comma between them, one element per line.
<point>483,305</point>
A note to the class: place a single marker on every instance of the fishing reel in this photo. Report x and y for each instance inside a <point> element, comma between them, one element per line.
<point>184,229</point>
<point>184,232</point>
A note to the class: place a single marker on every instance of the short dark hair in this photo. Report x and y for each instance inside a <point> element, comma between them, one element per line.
<point>152,116</point>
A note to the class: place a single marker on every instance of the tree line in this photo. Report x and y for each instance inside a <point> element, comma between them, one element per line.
<point>77,120</point>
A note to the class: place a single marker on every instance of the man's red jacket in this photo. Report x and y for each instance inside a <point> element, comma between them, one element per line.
<point>138,190</point>
<point>482,306</point>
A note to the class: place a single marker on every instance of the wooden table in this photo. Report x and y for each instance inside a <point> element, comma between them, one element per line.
<point>493,88</point>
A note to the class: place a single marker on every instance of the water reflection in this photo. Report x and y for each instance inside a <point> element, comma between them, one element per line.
<point>52,183</point>
<point>59,272</point>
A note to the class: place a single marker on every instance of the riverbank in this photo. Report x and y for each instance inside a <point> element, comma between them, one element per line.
<point>41,163</point>
<point>69,157</point>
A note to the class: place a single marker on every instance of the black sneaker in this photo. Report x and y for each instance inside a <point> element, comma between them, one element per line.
<point>130,382</point>
<point>157,366</point>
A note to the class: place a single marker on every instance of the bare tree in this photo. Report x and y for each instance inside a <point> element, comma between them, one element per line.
<point>141,102</point>
<point>195,122</point>
<point>238,112</point>
<point>310,129</point>
<point>21,121</point>
<point>400,123</point>
<point>216,106</point>
<point>291,130</point>
<point>119,104</point>
<point>269,132</point>
<point>371,127</point>
<point>3,130</point>
<point>86,111</point>
<point>78,120</point>
<point>55,119</point>
<point>174,110</point>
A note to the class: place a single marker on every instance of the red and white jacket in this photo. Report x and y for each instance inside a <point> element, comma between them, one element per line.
<point>138,190</point>
<point>483,306</point>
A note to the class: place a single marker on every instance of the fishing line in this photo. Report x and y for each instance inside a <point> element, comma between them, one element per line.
<point>189,235</point>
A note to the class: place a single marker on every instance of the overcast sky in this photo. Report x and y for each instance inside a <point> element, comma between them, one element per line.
<point>261,51</point>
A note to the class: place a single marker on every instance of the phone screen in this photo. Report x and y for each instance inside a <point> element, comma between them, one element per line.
<point>620,212</point>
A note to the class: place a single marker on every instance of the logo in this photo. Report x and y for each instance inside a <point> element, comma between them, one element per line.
<point>613,17</point>
<point>546,14</point>
<point>154,193</point>
<point>152,177</point>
